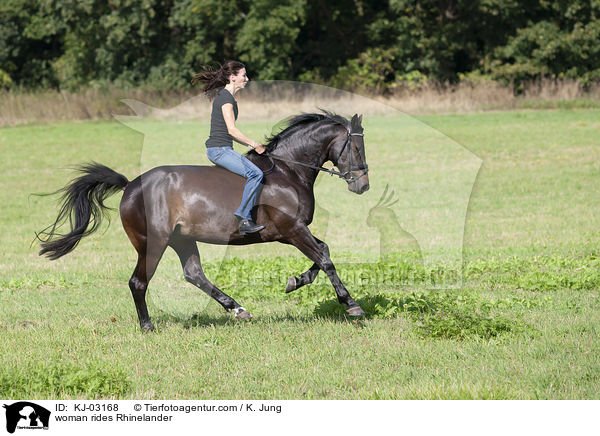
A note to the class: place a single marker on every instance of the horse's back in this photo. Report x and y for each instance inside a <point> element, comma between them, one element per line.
<point>200,201</point>
<point>194,198</point>
<point>179,179</point>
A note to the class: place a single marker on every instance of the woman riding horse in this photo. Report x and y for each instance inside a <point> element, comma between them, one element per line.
<point>176,206</point>
<point>227,81</point>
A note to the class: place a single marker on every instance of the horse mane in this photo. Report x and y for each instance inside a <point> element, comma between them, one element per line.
<point>294,123</point>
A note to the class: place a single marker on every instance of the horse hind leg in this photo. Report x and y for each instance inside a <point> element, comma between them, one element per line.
<point>148,259</point>
<point>193,273</point>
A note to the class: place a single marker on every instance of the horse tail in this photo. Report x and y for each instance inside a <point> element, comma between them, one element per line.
<point>83,206</point>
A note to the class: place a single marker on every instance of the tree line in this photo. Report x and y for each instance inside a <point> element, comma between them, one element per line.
<point>373,45</point>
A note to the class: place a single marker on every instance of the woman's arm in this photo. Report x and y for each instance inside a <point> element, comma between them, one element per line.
<point>236,133</point>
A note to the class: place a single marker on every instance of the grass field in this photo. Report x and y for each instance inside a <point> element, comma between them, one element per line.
<point>524,323</point>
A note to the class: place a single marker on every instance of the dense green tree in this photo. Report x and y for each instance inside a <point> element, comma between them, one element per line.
<point>564,43</point>
<point>29,42</point>
<point>334,32</point>
<point>203,33</point>
<point>367,44</point>
<point>116,41</point>
<point>442,39</point>
<point>506,39</point>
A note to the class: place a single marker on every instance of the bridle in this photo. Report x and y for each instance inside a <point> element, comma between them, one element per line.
<point>346,175</point>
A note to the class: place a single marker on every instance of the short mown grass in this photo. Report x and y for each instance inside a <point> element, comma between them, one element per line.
<point>523,325</point>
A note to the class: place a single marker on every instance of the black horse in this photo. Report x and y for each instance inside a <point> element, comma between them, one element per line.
<point>178,205</point>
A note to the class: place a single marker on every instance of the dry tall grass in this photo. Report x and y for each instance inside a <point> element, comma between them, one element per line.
<point>269,100</point>
<point>470,96</point>
<point>92,104</point>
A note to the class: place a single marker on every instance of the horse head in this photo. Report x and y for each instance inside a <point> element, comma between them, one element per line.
<point>348,154</point>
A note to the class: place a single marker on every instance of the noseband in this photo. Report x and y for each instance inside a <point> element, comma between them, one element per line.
<point>346,175</point>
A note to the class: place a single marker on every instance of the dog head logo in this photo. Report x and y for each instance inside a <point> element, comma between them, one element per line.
<point>26,415</point>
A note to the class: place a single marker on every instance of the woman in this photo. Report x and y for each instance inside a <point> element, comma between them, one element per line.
<point>223,84</point>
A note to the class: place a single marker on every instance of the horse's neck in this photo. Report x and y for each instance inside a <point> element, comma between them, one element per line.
<point>307,146</point>
<point>309,154</point>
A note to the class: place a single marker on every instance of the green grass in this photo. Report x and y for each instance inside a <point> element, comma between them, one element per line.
<point>524,324</point>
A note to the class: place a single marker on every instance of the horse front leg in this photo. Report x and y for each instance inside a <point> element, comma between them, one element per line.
<point>305,278</point>
<point>318,252</point>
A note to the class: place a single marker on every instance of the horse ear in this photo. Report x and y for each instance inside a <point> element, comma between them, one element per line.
<point>354,120</point>
<point>360,120</point>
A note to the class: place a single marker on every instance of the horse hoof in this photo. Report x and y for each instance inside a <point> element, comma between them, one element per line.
<point>242,313</point>
<point>148,327</point>
<point>291,285</point>
<point>245,315</point>
<point>355,311</point>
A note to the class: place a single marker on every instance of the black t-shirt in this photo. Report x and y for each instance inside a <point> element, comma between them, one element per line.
<point>219,137</point>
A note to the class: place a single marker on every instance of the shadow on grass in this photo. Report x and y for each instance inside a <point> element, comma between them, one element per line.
<point>197,320</point>
<point>439,315</point>
<point>435,315</point>
<point>378,306</point>
<point>209,320</point>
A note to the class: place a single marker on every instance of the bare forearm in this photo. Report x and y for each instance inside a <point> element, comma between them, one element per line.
<point>235,132</point>
<point>241,138</point>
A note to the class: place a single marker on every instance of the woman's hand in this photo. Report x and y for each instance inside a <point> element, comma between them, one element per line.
<point>259,148</point>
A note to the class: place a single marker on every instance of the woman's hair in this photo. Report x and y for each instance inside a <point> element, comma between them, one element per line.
<point>214,79</point>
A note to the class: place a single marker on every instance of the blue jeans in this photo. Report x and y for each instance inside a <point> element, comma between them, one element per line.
<point>231,160</point>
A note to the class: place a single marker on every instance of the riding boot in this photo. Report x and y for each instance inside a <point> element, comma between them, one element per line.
<point>249,226</point>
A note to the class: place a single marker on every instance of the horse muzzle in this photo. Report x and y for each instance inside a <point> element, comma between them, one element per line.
<point>359,184</point>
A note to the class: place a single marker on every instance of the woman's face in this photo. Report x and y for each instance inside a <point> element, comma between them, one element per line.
<point>240,79</point>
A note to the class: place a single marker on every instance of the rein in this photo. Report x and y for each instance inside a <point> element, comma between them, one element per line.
<point>346,175</point>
